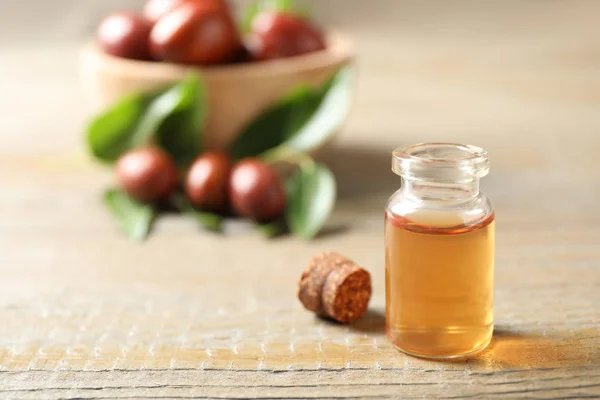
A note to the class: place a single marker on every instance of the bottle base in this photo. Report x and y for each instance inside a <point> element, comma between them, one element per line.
<point>471,353</point>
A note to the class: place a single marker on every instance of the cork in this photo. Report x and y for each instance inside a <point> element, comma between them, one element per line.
<point>334,286</point>
<point>346,293</point>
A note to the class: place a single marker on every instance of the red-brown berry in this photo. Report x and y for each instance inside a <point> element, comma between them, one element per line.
<point>195,33</point>
<point>147,174</point>
<point>255,191</point>
<point>125,35</point>
<point>281,35</point>
<point>207,180</point>
<point>156,9</point>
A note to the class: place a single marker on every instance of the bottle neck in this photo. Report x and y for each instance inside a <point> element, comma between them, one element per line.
<point>451,192</point>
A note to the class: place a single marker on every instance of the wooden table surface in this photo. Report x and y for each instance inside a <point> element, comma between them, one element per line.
<point>86,314</point>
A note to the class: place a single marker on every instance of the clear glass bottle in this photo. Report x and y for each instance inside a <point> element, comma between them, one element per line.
<point>439,252</point>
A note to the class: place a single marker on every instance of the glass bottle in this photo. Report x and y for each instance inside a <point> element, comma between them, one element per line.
<point>439,252</point>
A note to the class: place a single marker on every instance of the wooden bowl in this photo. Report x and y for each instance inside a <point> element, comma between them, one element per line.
<point>236,93</point>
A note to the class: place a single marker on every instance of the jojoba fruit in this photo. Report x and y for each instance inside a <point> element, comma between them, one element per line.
<point>156,9</point>
<point>195,33</point>
<point>125,35</point>
<point>280,35</point>
<point>147,174</point>
<point>207,180</point>
<point>255,191</point>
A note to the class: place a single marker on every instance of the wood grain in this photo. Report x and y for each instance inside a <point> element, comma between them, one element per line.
<point>86,314</point>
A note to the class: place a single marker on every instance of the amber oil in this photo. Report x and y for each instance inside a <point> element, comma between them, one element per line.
<point>439,284</point>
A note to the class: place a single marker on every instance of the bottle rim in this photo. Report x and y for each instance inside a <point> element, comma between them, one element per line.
<point>439,161</point>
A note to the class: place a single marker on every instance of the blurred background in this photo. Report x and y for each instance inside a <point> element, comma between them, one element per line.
<point>517,77</point>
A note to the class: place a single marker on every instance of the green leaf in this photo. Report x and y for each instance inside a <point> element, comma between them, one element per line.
<point>209,221</point>
<point>274,126</point>
<point>283,5</point>
<point>134,219</point>
<point>328,117</point>
<point>109,135</point>
<point>311,198</point>
<point>180,133</point>
<point>301,122</point>
<point>307,102</point>
<point>176,115</point>
<point>271,229</point>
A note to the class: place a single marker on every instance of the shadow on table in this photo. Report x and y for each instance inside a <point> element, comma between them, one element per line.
<point>512,349</point>
<point>372,322</point>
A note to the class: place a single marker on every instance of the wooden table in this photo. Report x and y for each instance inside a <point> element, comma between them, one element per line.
<point>87,314</point>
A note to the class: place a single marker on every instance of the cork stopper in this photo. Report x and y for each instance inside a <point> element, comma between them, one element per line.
<point>334,286</point>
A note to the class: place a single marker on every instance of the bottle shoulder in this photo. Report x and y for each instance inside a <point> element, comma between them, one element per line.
<point>440,213</point>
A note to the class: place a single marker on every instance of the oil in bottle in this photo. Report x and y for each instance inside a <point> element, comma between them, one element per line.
<point>439,282</point>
